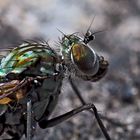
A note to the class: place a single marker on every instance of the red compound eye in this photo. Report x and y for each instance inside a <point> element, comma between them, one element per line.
<point>85,59</point>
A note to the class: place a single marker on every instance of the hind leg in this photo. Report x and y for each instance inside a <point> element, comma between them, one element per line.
<point>77,92</point>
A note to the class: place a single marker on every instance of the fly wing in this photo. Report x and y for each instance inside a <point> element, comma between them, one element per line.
<point>8,92</point>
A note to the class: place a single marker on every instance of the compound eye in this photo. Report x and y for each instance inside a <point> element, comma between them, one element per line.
<point>85,59</point>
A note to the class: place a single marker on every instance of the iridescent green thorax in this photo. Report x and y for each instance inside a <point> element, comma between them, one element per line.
<point>26,62</point>
<point>28,56</point>
<point>66,44</point>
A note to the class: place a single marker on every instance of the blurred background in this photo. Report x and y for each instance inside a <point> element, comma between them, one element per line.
<point>117,95</point>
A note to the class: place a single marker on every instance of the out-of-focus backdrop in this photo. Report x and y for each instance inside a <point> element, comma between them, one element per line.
<point>117,96</point>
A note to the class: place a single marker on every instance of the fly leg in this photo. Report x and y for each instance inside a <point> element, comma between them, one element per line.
<point>57,120</point>
<point>29,120</point>
<point>77,92</point>
<point>25,82</point>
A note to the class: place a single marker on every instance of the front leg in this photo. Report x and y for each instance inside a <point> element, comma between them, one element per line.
<point>109,120</point>
<point>57,120</point>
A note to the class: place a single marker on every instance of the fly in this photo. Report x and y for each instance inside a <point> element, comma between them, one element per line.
<point>31,77</point>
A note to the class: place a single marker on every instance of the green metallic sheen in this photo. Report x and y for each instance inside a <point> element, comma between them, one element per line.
<point>26,56</point>
<point>66,44</point>
<point>43,61</point>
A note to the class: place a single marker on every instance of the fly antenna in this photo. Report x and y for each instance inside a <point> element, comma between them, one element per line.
<point>100,31</point>
<point>88,36</point>
<point>88,30</point>
<point>63,33</point>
